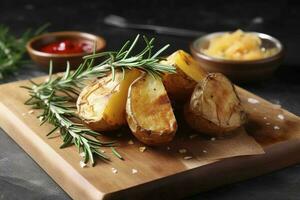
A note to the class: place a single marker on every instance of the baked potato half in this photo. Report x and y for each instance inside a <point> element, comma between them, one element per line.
<point>215,107</point>
<point>181,85</point>
<point>101,105</point>
<point>149,112</point>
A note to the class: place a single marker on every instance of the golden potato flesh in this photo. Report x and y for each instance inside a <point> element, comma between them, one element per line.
<point>181,84</point>
<point>149,112</point>
<point>101,105</point>
<point>214,107</point>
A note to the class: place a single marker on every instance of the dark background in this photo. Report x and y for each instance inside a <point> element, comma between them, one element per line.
<point>21,178</point>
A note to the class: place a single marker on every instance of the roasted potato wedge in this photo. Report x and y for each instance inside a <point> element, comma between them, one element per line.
<point>215,107</point>
<point>181,84</point>
<point>149,112</point>
<point>101,105</point>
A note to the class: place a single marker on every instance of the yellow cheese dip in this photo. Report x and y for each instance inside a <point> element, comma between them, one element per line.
<point>238,46</point>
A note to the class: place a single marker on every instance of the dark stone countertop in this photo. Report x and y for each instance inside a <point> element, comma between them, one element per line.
<point>22,178</point>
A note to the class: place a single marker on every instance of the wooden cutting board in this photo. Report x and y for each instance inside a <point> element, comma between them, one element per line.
<point>161,173</point>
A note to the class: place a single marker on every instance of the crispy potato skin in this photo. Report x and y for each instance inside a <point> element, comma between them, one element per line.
<point>215,107</point>
<point>180,85</point>
<point>202,125</point>
<point>101,105</point>
<point>149,113</point>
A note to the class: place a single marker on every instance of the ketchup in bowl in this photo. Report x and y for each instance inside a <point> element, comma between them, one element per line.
<point>67,47</point>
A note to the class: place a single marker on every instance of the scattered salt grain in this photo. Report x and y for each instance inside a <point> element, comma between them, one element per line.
<point>130,142</point>
<point>265,118</point>
<point>142,149</point>
<point>280,116</point>
<point>252,100</point>
<point>204,151</point>
<point>82,154</point>
<point>193,136</point>
<point>114,170</point>
<point>187,157</point>
<point>276,106</point>
<point>268,123</point>
<point>41,118</point>
<point>82,164</point>
<point>30,111</point>
<point>276,127</point>
<point>182,151</point>
<point>168,148</point>
<point>213,139</point>
<point>134,171</point>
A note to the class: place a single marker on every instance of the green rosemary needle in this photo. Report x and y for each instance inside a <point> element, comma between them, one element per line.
<point>116,153</point>
<point>12,49</point>
<point>56,96</point>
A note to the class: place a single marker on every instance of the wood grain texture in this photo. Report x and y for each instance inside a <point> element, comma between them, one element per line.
<point>161,173</point>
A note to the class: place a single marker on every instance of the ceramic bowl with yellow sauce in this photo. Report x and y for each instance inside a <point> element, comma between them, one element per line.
<point>242,56</point>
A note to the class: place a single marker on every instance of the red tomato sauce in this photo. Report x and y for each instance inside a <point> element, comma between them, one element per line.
<point>67,47</point>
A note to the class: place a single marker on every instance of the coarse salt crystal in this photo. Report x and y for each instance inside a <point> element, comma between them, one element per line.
<point>204,151</point>
<point>30,111</point>
<point>193,136</point>
<point>130,142</point>
<point>82,154</point>
<point>213,139</point>
<point>142,149</point>
<point>168,148</point>
<point>265,118</point>
<point>134,171</point>
<point>280,116</point>
<point>82,164</point>
<point>114,170</point>
<point>182,151</point>
<point>252,100</point>
<point>276,127</point>
<point>268,123</point>
<point>276,106</point>
<point>187,157</point>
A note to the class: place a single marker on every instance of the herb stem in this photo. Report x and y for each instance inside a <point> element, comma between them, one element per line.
<point>56,95</point>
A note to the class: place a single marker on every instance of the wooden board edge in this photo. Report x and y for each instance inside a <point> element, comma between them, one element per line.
<point>179,185</point>
<point>42,154</point>
<point>265,101</point>
<point>207,177</point>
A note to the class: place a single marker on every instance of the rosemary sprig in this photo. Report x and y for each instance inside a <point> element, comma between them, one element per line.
<point>59,114</point>
<point>116,153</point>
<point>56,95</point>
<point>144,60</point>
<point>12,49</point>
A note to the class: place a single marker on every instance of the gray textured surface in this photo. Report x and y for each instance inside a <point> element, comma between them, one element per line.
<point>21,178</point>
